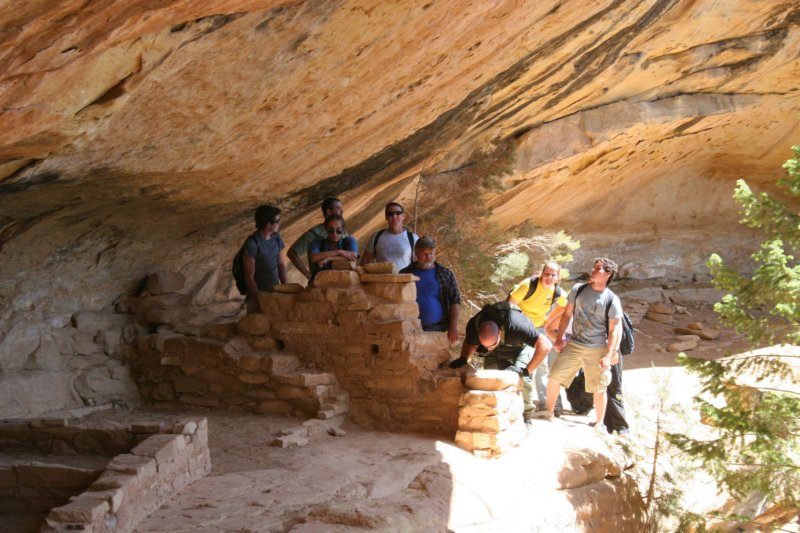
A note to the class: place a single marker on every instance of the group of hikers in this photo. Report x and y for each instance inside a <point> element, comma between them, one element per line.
<point>546,336</point>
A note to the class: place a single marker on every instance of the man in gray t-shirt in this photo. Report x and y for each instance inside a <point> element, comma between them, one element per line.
<point>590,347</point>
<point>395,244</point>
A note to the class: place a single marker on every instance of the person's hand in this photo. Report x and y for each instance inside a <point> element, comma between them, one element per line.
<point>559,344</point>
<point>605,363</point>
<point>458,363</point>
<point>452,336</point>
<point>350,256</point>
<point>521,372</point>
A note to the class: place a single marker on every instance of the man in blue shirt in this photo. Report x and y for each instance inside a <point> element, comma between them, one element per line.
<point>437,291</point>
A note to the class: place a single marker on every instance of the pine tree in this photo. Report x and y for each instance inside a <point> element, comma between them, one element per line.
<point>757,420</point>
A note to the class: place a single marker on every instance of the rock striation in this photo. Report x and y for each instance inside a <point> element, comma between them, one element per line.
<point>136,137</point>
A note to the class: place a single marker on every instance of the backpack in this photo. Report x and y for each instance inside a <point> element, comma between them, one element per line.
<point>381,232</point>
<point>627,344</point>
<point>557,292</point>
<point>237,268</point>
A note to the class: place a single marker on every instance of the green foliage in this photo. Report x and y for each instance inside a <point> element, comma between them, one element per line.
<point>755,448</point>
<point>510,266</point>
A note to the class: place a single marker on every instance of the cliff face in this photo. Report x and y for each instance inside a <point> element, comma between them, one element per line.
<point>138,135</point>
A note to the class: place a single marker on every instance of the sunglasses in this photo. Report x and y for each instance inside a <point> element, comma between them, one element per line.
<point>335,230</point>
<point>393,213</point>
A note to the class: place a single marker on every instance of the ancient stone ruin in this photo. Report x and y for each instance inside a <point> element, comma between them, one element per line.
<point>99,476</point>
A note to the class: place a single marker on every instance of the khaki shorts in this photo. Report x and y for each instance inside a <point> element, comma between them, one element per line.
<point>573,357</point>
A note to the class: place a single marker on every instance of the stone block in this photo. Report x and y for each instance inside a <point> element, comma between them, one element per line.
<point>393,312</point>
<point>306,379</point>
<point>344,297</point>
<point>395,292</point>
<point>336,278</point>
<point>384,267</point>
<point>84,509</point>
<point>165,282</point>
<point>288,288</point>
<point>388,278</point>
<point>250,362</point>
<point>290,441</point>
<point>695,325</point>
<point>311,312</point>
<point>276,304</point>
<point>343,265</point>
<point>253,378</point>
<point>492,380</point>
<point>278,363</point>
<point>264,343</point>
<point>682,346</point>
<point>659,317</point>
<point>256,324</point>
<point>312,294</point>
<point>659,307</point>
<point>491,401</point>
<point>489,423</point>
<point>705,334</point>
<point>162,448</point>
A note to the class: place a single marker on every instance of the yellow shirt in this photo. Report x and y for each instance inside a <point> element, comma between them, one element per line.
<point>537,306</point>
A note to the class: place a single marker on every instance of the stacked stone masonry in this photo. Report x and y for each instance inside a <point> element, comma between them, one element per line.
<point>350,344</point>
<point>490,419</point>
<point>147,463</point>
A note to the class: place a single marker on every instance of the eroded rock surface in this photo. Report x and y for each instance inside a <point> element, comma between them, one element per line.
<point>137,136</point>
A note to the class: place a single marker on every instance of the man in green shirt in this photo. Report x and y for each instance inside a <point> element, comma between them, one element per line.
<point>298,250</point>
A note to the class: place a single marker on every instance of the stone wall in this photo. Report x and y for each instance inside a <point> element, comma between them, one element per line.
<point>364,328</point>
<point>149,462</point>
<point>351,342</point>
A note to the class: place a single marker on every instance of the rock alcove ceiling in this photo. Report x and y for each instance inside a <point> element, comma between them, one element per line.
<point>138,135</point>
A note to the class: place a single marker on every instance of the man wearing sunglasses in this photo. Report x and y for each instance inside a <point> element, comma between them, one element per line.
<point>298,250</point>
<point>395,244</point>
<point>507,340</point>
<point>263,265</point>
<point>334,247</point>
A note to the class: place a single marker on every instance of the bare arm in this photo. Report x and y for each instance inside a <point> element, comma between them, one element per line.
<point>614,338</point>
<point>467,350</point>
<point>281,269</point>
<point>566,316</point>
<point>322,256</point>
<point>298,263</point>
<point>452,327</point>
<point>249,275</point>
<point>552,321</point>
<point>541,349</point>
<point>367,258</point>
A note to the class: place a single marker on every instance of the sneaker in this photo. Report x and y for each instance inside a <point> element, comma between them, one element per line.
<point>600,429</point>
<point>545,415</point>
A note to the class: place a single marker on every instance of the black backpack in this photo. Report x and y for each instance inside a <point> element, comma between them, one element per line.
<point>557,292</point>
<point>237,268</point>
<point>627,343</point>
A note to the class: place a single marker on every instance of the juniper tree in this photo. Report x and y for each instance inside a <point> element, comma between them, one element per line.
<point>756,420</point>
